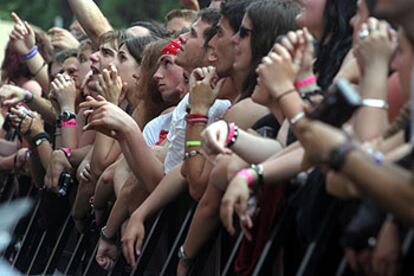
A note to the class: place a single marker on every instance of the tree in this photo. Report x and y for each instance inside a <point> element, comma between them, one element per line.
<point>120,13</point>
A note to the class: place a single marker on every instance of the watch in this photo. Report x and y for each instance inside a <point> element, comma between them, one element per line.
<point>104,237</point>
<point>66,116</point>
<point>187,261</point>
<point>337,155</point>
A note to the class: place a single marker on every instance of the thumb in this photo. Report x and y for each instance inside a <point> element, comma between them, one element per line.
<point>29,28</point>
<point>218,86</point>
<point>138,244</point>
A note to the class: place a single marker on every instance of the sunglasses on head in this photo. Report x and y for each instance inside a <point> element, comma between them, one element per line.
<point>244,32</point>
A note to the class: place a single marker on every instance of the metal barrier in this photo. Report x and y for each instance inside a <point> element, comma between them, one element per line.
<point>64,250</point>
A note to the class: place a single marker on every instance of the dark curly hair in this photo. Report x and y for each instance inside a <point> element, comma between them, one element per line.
<point>336,40</point>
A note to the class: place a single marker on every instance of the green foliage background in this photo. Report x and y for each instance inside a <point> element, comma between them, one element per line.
<point>119,12</point>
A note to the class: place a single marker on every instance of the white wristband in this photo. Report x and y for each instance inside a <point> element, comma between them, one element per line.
<point>377,103</point>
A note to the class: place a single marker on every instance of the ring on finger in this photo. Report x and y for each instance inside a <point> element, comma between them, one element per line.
<point>363,34</point>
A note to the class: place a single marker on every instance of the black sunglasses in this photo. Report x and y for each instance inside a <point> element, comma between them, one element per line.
<point>244,32</point>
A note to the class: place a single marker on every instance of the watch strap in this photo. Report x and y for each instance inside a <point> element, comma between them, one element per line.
<point>338,155</point>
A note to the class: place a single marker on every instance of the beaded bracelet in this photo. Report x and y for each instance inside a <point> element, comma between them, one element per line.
<point>191,154</point>
<point>232,134</point>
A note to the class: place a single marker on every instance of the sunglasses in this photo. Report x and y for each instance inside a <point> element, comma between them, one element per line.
<point>244,32</point>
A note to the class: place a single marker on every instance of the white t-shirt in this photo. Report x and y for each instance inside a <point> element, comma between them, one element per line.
<point>176,134</point>
<point>153,128</point>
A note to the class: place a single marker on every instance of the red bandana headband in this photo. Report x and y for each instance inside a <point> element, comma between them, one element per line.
<point>171,48</point>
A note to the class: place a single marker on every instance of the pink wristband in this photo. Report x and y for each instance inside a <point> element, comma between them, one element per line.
<point>306,81</point>
<point>67,152</point>
<point>230,135</point>
<point>71,124</point>
<point>248,175</point>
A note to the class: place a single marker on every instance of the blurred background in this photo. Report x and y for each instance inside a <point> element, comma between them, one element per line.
<point>48,13</point>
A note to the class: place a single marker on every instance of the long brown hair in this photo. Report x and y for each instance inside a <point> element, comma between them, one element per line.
<point>149,101</point>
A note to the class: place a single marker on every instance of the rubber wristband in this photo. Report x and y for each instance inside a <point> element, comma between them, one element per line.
<point>249,177</point>
<point>197,116</point>
<point>69,124</point>
<point>67,152</point>
<point>230,133</point>
<point>30,54</point>
<point>306,81</point>
<point>193,143</point>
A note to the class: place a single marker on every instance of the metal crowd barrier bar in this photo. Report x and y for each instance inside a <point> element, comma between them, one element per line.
<point>172,259</point>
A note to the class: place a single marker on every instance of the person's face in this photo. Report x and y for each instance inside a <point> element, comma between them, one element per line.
<point>394,10</point>
<point>193,53</point>
<point>177,24</point>
<point>71,67</point>
<point>312,16</point>
<point>403,63</point>
<point>169,78</point>
<point>127,67</point>
<point>242,46</point>
<point>223,48</point>
<point>84,66</point>
<point>102,58</point>
<point>358,19</point>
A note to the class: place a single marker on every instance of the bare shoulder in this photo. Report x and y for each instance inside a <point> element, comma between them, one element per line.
<point>245,113</point>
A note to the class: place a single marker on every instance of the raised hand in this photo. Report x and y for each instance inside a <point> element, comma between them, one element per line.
<point>11,95</point>
<point>64,92</point>
<point>376,46</point>
<point>106,117</point>
<point>279,69</point>
<point>62,38</point>
<point>110,85</point>
<point>204,88</point>
<point>22,35</point>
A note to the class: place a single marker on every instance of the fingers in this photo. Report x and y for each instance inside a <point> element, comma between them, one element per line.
<point>128,250</point>
<point>16,18</point>
<point>138,244</point>
<point>226,215</point>
<point>29,28</point>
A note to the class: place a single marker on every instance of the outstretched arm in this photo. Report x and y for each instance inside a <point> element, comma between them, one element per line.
<point>91,18</point>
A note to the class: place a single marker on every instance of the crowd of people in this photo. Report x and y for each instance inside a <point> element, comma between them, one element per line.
<point>220,103</point>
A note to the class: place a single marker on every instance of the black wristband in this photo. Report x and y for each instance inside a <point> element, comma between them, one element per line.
<point>104,237</point>
<point>258,169</point>
<point>40,138</point>
<point>338,155</point>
